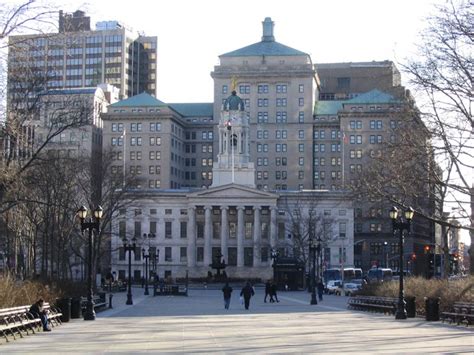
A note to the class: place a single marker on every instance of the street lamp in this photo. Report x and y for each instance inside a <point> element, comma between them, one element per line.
<point>90,225</point>
<point>129,248</point>
<point>312,251</point>
<point>274,255</point>
<point>146,256</point>
<point>400,225</point>
<point>385,253</point>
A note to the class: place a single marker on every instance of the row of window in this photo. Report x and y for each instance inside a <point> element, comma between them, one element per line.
<point>335,147</point>
<point>321,175</point>
<point>321,134</point>
<point>136,127</point>
<point>263,89</point>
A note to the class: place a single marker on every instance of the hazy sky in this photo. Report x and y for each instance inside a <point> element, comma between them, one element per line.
<point>193,33</point>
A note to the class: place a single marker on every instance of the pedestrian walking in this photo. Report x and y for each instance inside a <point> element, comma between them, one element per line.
<point>247,292</point>
<point>227,291</point>
<point>320,290</point>
<point>273,294</point>
<point>268,291</point>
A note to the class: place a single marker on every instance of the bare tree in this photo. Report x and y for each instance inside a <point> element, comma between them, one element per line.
<point>442,78</point>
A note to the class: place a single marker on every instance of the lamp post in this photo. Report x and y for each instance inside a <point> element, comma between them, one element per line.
<point>129,248</point>
<point>312,251</point>
<point>146,256</point>
<point>90,225</point>
<point>385,253</point>
<point>274,255</point>
<point>400,225</point>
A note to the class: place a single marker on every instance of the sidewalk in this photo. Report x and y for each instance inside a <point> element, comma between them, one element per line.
<point>200,324</point>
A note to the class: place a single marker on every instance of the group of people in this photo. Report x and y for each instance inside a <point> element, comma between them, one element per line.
<point>248,291</point>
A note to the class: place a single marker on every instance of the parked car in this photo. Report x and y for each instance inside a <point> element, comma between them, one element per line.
<point>332,286</point>
<point>349,289</point>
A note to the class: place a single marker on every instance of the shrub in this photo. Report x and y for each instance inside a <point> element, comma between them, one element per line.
<point>448,291</point>
<point>20,293</point>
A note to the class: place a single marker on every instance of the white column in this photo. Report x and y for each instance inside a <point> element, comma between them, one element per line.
<point>207,236</point>
<point>191,232</point>
<point>273,227</point>
<point>224,232</point>
<point>240,236</point>
<point>257,234</point>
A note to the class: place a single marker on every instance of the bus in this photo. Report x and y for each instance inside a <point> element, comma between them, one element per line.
<point>350,273</point>
<point>379,275</point>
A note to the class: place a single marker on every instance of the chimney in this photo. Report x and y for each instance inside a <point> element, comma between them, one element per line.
<point>268,30</point>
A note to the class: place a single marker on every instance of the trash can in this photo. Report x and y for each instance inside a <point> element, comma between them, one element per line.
<point>432,308</point>
<point>64,304</point>
<point>76,308</point>
<point>411,307</point>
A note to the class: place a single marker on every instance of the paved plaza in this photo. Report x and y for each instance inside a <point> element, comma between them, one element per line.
<point>200,324</point>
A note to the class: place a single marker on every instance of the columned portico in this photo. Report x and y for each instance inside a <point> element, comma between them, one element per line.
<point>224,232</point>
<point>207,235</point>
<point>191,234</point>
<point>257,234</point>
<point>240,236</point>
<point>273,227</point>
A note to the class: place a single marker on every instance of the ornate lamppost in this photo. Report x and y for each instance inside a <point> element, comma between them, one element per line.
<point>90,225</point>
<point>129,247</point>
<point>312,252</point>
<point>146,256</point>
<point>401,225</point>
<point>274,255</point>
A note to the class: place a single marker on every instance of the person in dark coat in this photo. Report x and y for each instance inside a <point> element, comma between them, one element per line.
<point>38,312</point>
<point>227,291</point>
<point>268,291</point>
<point>273,293</point>
<point>247,292</point>
<point>320,290</point>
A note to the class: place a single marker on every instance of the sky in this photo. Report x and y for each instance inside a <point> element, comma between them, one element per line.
<point>192,34</point>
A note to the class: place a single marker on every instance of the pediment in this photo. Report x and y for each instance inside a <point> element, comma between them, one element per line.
<point>233,191</point>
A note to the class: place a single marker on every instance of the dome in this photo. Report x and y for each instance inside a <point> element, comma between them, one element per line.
<point>234,103</point>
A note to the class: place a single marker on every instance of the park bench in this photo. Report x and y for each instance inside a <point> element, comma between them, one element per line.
<point>99,301</point>
<point>462,312</point>
<point>173,289</point>
<point>18,320</point>
<point>373,304</point>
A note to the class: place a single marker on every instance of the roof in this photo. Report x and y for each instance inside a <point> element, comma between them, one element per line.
<point>373,97</point>
<point>203,109</point>
<point>140,100</point>
<point>269,48</point>
<point>327,107</point>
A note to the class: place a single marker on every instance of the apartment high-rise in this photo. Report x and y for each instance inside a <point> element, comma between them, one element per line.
<point>78,57</point>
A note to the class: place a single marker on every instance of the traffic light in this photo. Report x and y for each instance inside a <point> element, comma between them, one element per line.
<point>427,249</point>
<point>413,256</point>
<point>430,266</point>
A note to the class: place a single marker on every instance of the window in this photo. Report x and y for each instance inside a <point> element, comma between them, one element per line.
<point>301,147</point>
<point>301,101</point>
<point>281,102</point>
<point>183,254</point>
<point>232,256</point>
<point>168,230</point>
<point>168,254</point>
<point>342,229</point>
<point>301,88</point>
<point>200,254</point>
<point>262,89</point>
<point>301,116</point>
<point>281,88</point>
<point>248,256</point>
<point>301,134</point>
<point>224,89</point>
<point>244,89</point>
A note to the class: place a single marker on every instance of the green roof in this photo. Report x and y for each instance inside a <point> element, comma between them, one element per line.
<point>269,48</point>
<point>140,100</point>
<point>327,107</point>
<point>203,109</point>
<point>373,97</point>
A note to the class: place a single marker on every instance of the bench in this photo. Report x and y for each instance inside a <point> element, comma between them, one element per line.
<point>174,289</point>
<point>462,312</point>
<point>99,302</point>
<point>373,304</point>
<point>18,320</point>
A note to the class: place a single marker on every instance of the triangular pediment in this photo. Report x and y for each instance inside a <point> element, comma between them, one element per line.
<point>233,191</point>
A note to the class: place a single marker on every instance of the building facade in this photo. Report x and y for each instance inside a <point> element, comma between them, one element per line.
<point>80,57</point>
